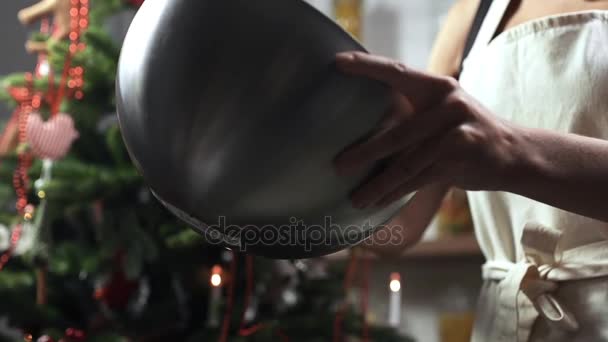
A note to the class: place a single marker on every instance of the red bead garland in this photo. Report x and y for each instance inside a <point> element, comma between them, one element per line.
<point>29,100</point>
<point>75,335</point>
<point>73,77</point>
<point>243,330</point>
<point>20,176</point>
<point>364,304</point>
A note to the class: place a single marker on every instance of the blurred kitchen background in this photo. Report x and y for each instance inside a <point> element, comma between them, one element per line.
<point>441,277</point>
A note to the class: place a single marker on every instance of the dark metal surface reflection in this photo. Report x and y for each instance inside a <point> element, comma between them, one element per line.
<point>233,112</point>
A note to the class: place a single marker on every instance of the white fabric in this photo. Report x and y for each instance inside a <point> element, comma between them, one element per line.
<point>546,276</point>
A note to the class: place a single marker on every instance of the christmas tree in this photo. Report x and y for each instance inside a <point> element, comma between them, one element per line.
<point>88,254</point>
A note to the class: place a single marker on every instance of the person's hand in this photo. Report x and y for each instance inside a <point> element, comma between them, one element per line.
<point>444,137</point>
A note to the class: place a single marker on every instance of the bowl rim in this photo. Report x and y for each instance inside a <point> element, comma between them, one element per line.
<point>332,21</point>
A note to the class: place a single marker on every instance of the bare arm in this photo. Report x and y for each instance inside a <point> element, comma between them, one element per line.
<point>446,55</point>
<point>408,227</point>
<point>566,171</point>
<point>454,139</point>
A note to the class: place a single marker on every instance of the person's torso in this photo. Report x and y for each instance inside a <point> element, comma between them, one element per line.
<point>546,269</point>
<point>549,73</point>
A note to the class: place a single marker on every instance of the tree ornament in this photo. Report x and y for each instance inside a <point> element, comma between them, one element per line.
<point>75,335</point>
<point>70,20</point>
<point>51,139</point>
<point>251,147</point>
<point>45,338</point>
<point>45,177</point>
<point>60,9</point>
<point>117,291</point>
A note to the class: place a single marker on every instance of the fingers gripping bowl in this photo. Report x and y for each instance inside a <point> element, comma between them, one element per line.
<point>233,112</point>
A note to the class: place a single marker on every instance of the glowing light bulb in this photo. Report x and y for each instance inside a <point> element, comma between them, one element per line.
<point>395,284</point>
<point>44,68</point>
<point>216,276</point>
<point>216,280</point>
<point>394,304</point>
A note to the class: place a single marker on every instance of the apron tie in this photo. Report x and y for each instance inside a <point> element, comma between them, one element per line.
<point>538,290</point>
<point>516,317</point>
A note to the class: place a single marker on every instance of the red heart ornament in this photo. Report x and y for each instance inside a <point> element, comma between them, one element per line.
<point>51,139</point>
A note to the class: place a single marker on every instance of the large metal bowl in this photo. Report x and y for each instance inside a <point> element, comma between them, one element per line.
<point>233,112</point>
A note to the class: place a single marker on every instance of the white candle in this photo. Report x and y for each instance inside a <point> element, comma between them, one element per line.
<point>394,307</point>
<point>215,297</point>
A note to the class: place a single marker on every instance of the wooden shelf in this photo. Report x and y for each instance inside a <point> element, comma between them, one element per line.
<point>456,246</point>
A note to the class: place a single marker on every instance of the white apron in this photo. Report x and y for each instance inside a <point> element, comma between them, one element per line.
<point>546,275</point>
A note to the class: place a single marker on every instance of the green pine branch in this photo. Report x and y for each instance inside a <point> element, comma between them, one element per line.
<point>104,9</point>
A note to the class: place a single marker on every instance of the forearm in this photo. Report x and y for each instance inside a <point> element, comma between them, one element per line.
<point>407,228</point>
<point>566,171</point>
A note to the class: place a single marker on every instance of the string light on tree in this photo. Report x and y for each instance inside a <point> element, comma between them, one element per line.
<point>216,276</point>
<point>44,68</point>
<point>215,296</point>
<point>394,308</point>
<point>29,212</point>
<point>395,284</point>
